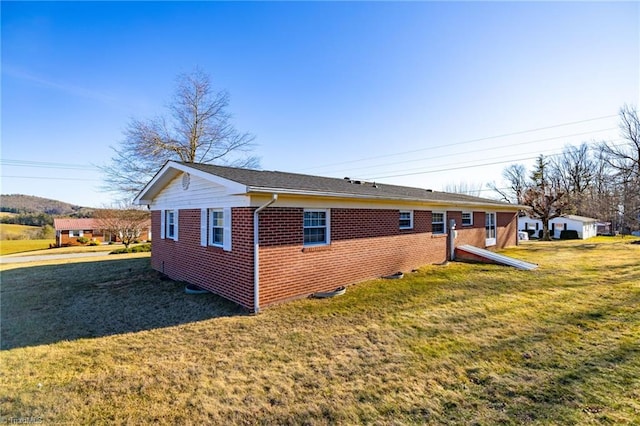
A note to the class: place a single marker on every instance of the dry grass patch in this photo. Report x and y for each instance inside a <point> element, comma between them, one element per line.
<point>461,344</point>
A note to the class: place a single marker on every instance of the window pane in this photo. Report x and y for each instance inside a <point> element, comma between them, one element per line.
<point>170,224</point>
<point>217,219</point>
<point>315,227</point>
<point>405,220</point>
<point>315,219</point>
<point>315,235</point>
<point>216,225</point>
<point>218,236</point>
<point>437,223</point>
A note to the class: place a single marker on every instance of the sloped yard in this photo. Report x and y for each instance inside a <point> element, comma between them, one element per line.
<point>109,342</point>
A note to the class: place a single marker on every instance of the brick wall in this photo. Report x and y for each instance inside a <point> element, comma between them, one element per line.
<point>507,229</point>
<point>229,274</point>
<point>365,244</point>
<point>65,239</point>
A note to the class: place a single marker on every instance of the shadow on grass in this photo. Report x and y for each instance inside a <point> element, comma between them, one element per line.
<point>48,304</point>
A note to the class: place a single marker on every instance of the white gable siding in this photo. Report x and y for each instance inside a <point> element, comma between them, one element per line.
<point>200,194</point>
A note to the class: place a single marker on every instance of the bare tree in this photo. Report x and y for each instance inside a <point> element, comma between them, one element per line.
<point>574,172</point>
<point>515,177</point>
<point>198,129</point>
<point>468,188</point>
<point>546,200</point>
<point>624,160</point>
<point>126,223</point>
<point>601,197</point>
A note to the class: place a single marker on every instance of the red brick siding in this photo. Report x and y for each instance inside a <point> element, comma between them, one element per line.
<point>228,274</point>
<point>472,258</point>
<point>65,239</point>
<point>281,226</point>
<point>507,231</point>
<point>365,244</point>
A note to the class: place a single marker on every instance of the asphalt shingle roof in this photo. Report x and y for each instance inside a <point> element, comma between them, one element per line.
<point>274,180</point>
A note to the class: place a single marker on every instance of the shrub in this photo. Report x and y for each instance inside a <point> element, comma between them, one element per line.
<point>136,249</point>
<point>569,234</point>
<point>94,242</point>
<point>83,240</point>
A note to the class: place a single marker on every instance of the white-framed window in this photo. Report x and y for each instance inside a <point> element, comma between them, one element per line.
<point>406,219</point>
<point>171,224</point>
<point>316,227</point>
<point>467,218</point>
<point>490,228</point>
<point>75,233</point>
<point>437,222</point>
<point>216,228</point>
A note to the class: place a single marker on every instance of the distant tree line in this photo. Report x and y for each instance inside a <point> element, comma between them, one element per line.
<point>37,211</point>
<point>600,180</point>
<point>30,219</point>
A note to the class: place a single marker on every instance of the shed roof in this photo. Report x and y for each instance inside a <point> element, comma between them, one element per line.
<point>266,181</point>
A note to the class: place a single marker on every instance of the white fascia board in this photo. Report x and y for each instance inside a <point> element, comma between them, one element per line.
<point>440,204</point>
<point>170,170</point>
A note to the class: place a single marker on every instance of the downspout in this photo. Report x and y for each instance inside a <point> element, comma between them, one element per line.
<point>256,255</point>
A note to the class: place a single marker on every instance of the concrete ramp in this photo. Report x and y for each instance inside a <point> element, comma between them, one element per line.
<point>475,254</point>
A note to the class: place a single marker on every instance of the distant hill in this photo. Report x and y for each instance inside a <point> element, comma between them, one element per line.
<point>29,204</point>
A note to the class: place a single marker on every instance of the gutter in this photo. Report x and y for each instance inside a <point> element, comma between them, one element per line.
<point>256,253</point>
<point>382,197</point>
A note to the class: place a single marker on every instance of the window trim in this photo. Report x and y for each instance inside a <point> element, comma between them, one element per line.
<point>327,227</point>
<point>167,224</point>
<point>444,222</point>
<point>211,227</point>
<point>410,226</point>
<point>470,213</point>
<point>75,233</point>
<point>491,241</point>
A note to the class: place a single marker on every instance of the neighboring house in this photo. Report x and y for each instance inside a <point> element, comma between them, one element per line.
<point>585,226</point>
<point>261,237</point>
<point>68,230</point>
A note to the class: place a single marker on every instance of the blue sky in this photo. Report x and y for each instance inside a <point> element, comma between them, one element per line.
<point>417,94</point>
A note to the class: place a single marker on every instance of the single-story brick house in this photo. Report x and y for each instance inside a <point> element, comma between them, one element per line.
<point>261,237</point>
<point>68,230</point>
<point>586,227</point>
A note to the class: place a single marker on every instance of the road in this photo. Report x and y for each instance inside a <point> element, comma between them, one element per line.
<point>39,258</point>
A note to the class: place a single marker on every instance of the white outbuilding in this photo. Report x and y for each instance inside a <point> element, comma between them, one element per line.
<point>585,226</point>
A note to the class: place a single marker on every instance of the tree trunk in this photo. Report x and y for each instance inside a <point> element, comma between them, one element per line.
<point>545,231</point>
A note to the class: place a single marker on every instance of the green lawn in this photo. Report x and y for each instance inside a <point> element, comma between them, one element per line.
<point>109,342</point>
<point>19,246</point>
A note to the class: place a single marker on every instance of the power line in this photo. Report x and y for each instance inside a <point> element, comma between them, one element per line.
<point>50,178</point>
<point>473,151</point>
<point>44,165</point>
<point>464,142</point>
<point>469,166</point>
